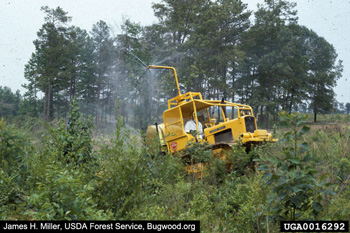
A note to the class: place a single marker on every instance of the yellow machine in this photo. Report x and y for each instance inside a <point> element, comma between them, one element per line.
<point>220,123</point>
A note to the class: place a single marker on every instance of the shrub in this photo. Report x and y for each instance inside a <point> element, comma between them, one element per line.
<point>13,147</point>
<point>63,195</point>
<point>123,172</point>
<point>339,207</point>
<point>73,143</point>
<point>59,175</point>
<point>344,170</point>
<point>11,196</point>
<point>295,188</point>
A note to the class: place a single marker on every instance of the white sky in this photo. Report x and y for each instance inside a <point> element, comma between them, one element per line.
<point>21,19</point>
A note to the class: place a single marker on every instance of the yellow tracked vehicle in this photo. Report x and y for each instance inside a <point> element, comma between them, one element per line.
<point>191,118</point>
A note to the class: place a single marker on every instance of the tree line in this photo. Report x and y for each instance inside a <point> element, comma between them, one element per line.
<point>268,61</point>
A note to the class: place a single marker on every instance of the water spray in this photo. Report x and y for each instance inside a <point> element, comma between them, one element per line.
<point>137,57</point>
<point>170,68</point>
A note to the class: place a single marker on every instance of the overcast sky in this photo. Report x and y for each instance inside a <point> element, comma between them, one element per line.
<point>21,19</point>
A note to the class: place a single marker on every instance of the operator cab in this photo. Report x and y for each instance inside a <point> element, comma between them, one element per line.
<point>195,119</point>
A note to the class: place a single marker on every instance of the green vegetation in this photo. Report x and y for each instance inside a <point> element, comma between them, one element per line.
<point>61,177</point>
<point>296,190</point>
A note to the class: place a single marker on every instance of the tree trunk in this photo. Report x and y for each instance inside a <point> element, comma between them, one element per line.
<point>35,103</point>
<point>98,104</point>
<point>103,108</point>
<point>71,89</point>
<point>291,102</point>
<point>49,103</point>
<point>315,113</point>
<point>315,116</point>
<point>233,92</point>
<point>45,104</point>
<point>58,111</point>
<point>261,117</point>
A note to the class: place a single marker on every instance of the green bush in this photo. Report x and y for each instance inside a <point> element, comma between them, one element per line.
<point>13,147</point>
<point>295,188</point>
<point>58,186</point>
<point>73,142</point>
<point>11,196</point>
<point>63,194</point>
<point>123,173</point>
<point>339,207</point>
<point>344,170</point>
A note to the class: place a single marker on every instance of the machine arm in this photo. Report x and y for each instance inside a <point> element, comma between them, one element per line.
<point>170,68</point>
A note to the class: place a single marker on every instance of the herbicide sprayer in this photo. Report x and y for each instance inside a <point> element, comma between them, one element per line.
<point>190,118</point>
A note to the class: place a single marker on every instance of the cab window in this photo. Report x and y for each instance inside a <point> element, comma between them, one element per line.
<point>202,116</point>
<point>245,112</point>
<point>231,112</point>
<point>215,112</point>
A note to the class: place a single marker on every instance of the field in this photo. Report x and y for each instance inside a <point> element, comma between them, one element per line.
<point>57,173</point>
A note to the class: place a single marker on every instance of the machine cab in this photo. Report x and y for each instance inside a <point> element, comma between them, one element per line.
<point>215,121</point>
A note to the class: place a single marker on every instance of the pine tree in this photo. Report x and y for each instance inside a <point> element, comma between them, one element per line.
<point>103,57</point>
<point>322,75</point>
<point>46,65</point>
